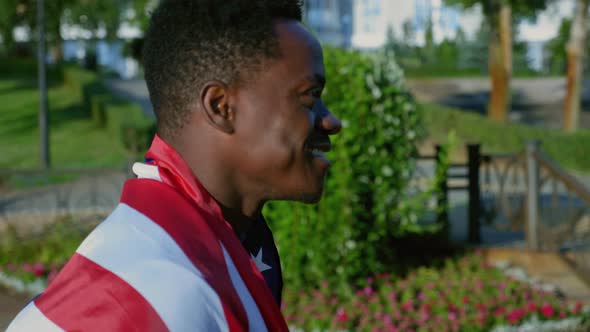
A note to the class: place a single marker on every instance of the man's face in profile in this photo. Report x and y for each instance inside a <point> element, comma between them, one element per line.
<point>282,125</point>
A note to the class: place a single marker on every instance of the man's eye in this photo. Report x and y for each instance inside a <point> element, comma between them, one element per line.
<point>315,92</point>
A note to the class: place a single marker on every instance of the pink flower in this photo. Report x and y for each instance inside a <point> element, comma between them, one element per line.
<point>452,316</point>
<point>501,286</point>
<point>408,305</point>
<point>368,291</point>
<point>481,307</point>
<point>499,311</point>
<point>531,307</point>
<point>452,307</point>
<point>27,267</point>
<point>39,269</point>
<point>479,284</point>
<point>386,320</point>
<point>577,308</point>
<point>465,299</point>
<point>421,296</point>
<point>547,310</point>
<point>341,315</point>
<point>424,316</point>
<point>562,315</point>
<point>515,316</point>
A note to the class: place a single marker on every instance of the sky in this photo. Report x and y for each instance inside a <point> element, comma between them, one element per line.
<point>548,22</point>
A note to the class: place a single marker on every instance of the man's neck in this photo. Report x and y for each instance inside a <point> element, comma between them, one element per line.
<point>240,223</point>
<point>216,177</point>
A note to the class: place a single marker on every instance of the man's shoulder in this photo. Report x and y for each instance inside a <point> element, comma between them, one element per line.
<point>131,266</point>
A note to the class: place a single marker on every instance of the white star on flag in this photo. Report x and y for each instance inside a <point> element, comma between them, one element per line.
<point>259,263</point>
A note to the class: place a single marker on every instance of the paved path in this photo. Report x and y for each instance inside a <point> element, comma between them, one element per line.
<point>546,267</point>
<point>89,193</point>
<point>10,305</point>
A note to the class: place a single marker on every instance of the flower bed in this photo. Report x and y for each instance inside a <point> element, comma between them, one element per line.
<point>465,295</point>
<point>30,258</point>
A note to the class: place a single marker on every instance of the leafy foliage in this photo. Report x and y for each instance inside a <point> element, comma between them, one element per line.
<point>367,201</point>
<point>91,15</point>
<point>520,8</point>
<point>556,47</point>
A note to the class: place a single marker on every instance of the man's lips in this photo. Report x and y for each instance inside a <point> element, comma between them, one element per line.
<point>318,147</point>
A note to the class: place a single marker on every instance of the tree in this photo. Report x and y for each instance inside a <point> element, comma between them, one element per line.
<point>499,16</point>
<point>429,49</point>
<point>92,15</point>
<point>556,62</point>
<point>575,54</point>
<point>8,16</point>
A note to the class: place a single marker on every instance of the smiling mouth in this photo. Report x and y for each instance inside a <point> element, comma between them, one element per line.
<point>318,149</point>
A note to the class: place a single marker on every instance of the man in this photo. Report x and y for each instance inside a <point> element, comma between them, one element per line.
<point>236,88</point>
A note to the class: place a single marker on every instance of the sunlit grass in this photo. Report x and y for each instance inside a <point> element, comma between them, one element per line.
<point>75,141</point>
<point>569,150</point>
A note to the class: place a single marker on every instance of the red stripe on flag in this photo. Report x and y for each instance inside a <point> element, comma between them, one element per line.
<point>186,224</point>
<point>87,297</point>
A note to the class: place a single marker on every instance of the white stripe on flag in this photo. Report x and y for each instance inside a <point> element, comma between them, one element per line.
<point>140,252</point>
<point>32,319</point>
<point>145,171</point>
<point>255,320</point>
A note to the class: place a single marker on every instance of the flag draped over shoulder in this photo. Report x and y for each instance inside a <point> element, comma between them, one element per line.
<point>164,260</point>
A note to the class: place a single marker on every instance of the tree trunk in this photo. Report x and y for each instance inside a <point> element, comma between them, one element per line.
<point>575,54</point>
<point>500,62</point>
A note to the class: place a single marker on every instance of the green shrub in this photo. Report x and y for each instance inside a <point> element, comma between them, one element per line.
<point>366,204</point>
<point>27,68</point>
<point>97,109</point>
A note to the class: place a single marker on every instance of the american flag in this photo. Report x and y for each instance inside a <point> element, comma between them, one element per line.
<point>164,260</point>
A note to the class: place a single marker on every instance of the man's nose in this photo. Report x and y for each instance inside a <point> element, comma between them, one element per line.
<point>330,123</point>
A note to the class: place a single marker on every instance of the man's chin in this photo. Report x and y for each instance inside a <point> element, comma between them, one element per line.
<point>311,198</point>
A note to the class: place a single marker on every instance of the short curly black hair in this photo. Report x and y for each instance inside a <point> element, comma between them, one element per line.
<point>190,42</point>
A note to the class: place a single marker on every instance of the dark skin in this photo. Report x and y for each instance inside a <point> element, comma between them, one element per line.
<point>263,138</point>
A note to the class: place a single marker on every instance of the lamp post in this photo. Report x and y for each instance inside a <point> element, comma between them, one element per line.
<point>42,75</point>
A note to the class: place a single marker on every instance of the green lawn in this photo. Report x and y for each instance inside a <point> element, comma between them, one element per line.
<point>75,140</point>
<point>569,150</point>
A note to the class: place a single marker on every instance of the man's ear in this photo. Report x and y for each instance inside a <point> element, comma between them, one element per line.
<point>215,105</point>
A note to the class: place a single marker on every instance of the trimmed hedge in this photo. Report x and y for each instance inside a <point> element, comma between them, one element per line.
<point>120,118</point>
<point>27,68</point>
